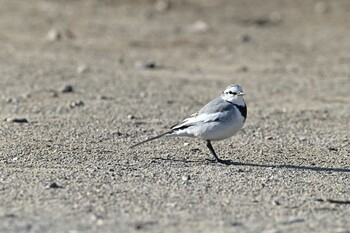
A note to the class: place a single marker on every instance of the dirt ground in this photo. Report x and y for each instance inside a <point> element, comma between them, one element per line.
<point>93,77</point>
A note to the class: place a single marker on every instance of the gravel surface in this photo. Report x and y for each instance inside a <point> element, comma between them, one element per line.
<point>81,81</point>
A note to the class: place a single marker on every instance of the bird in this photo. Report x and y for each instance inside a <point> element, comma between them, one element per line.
<point>220,119</point>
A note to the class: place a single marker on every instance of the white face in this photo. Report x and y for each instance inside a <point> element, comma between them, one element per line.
<point>233,94</point>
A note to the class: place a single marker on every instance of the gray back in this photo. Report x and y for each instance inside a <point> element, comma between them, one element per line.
<point>216,105</point>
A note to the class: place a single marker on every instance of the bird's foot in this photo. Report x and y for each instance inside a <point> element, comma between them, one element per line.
<point>222,161</point>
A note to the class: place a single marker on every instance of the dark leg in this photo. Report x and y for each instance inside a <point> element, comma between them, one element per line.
<point>214,154</point>
<point>212,151</point>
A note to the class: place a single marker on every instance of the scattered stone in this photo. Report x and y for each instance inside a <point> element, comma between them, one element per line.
<point>53,93</point>
<point>116,132</point>
<point>146,65</point>
<point>186,144</point>
<point>198,27</point>
<point>78,103</point>
<point>26,95</point>
<point>243,38</point>
<point>10,100</point>
<point>263,21</point>
<point>319,199</point>
<point>332,148</point>
<point>9,215</point>
<point>82,69</point>
<point>241,68</point>
<point>292,220</point>
<point>103,97</point>
<point>54,35</point>
<point>195,150</point>
<point>143,225</point>
<point>236,224</point>
<point>260,22</point>
<point>17,120</point>
<point>99,222</point>
<point>185,177</point>
<point>277,201</point>
<point>171,204</point>
<point>67,88</point>
<point>130,116</point>
<point>51,185</point>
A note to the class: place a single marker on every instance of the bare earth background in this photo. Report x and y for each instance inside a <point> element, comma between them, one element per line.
<point>137,67</point>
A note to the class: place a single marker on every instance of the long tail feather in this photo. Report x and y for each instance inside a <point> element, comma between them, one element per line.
<point>151,139</point>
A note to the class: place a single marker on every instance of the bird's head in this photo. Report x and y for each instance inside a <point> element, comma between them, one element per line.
<point>233,94</point>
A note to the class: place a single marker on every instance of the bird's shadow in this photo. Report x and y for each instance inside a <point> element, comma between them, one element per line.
<point>285,166</point>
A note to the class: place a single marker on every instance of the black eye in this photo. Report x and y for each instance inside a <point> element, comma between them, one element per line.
<point>232,93</point>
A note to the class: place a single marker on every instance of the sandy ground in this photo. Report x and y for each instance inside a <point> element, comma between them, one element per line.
<point>93,77</point>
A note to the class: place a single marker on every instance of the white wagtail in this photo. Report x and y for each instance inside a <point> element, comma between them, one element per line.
<point>220,119</point>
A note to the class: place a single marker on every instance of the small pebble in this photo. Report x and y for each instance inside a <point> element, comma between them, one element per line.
<point>244,38</point>
<point>26,95</point>
<point>51,185</point>
<point>53,93</point>
<point>185,177</point>
<point>277,202</point>
<point>17,120</point>
<point>198,27</point>
<point>262,21</point>
<point>117,132</point>
<point>146,65</point>
<point>130,116</point>
<point>332,149</point>
<point>186,144</point>
<point>82,69</point>
<point>292,220</point>
<point>103,97</point>
<point>67,88</point>
<point>54,35</point>
<point>77,103</point>
<point>195,150</point>
<point>99,222</point>
<point>241,68</point>
<point>236,224</point>
<point>9,100</point>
